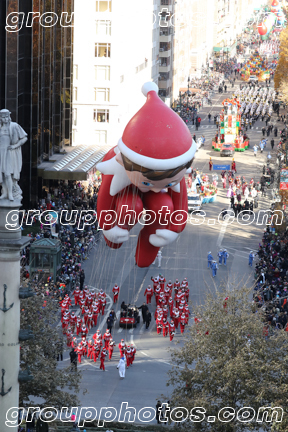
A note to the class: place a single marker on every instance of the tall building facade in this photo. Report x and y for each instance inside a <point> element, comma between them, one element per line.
<point>232,17</point>
<point>166,41</point>
<point>193,39</point>
<point>35,81</point>
<point>114,56</point>
<point>156,41</point>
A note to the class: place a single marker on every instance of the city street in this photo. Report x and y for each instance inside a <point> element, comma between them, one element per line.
<point>187,257</point>
<point>122,112</point>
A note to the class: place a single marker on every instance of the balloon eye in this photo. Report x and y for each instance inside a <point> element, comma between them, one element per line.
<point>171,184</point>
<point>147,184</point>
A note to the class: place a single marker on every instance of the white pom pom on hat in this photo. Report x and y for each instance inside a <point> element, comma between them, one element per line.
<point>156,137</point>
<point>149,86</point>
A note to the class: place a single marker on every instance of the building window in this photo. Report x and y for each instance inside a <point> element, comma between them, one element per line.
<point>101,137</point>
<point>103,28</point>
<point>165,46</point>
<point>162,92</point>
<point>164,61</point>
<point>102,73</point>
<point>75,71</point>
<point>75,93</point>
<point>101,115</point>
<point>164,76</point>
<point>102,94</point>
<point>74,115</point>
<point>103,5</point>
<point>102,49</point>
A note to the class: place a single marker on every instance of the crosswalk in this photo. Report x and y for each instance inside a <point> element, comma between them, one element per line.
<point>213,126</point>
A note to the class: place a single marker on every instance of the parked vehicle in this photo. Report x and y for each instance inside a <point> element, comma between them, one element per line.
<point>194,202</point>
<point>129,317</point>
<point>253,78</point>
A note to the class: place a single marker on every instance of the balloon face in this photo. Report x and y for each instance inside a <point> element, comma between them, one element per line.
<point>145,185</point>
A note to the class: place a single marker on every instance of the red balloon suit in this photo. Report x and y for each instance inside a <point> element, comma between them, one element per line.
<point>143,179</point>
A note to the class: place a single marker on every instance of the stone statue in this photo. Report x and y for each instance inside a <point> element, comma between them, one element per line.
<point>12,137</point>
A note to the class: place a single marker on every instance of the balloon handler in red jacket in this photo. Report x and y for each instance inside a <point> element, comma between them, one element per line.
<point>146,171</point>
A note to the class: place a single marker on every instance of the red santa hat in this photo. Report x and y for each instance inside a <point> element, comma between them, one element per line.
<point>156,137</point>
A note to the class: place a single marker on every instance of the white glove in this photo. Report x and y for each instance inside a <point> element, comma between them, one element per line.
<point>162,237</point>
<point>116,234</point>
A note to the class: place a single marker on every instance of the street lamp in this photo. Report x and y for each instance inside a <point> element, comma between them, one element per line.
<point>180,100</point>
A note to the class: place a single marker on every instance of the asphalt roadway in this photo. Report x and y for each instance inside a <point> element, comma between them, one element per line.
<point>145,382</point>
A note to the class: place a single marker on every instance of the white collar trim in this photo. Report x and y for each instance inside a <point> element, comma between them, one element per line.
<point>112,167</point>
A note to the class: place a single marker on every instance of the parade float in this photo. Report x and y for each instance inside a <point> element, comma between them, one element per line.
<point>230,127</point>
<point>201,191</point>
<point>257,66</point>
<point>274,20</point>
<point>209,194</point>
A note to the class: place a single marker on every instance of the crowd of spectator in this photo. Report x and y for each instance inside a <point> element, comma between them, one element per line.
<point>76,241</point>
<point>271,273</point>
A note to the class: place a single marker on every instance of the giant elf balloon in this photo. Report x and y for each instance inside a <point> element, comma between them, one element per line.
<point>145,171</point>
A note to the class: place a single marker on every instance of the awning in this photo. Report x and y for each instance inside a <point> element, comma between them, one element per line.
<point>224,48</point>
<point>74,164</point>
